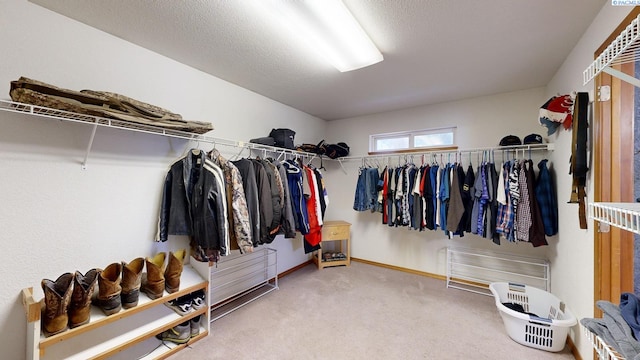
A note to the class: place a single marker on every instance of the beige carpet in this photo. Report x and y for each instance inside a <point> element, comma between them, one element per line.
<point>363,312</point>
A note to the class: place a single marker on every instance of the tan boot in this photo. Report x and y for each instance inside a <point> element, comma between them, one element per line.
<point>109,289</point>
<point>57,295</point>
<point>174,270</point>
<point>131,280</point>
<point>153,279</point>
<point>83,288</point>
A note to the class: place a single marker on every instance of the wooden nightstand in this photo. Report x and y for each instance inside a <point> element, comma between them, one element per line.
<point>336,230</point>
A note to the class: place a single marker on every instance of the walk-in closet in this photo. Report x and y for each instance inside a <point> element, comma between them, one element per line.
<point>322,179</point>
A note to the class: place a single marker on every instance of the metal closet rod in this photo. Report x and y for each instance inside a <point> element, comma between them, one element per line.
<point>517,148</point>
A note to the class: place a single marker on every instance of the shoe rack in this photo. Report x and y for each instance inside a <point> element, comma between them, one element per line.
<point>117,334</point>
<point>239,279</point>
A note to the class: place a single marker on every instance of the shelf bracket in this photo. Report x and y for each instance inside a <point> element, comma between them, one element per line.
<point>622,76</point>
<point>86,156</point>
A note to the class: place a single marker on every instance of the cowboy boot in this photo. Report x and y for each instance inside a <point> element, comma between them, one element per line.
<point>109,289</point>
<point>131,279</point>
<point>83,288</point>
<point>153,279</point>
<point>174,270</point>
<point>57,295</point>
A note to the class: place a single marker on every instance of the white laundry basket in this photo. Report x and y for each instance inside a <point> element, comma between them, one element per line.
<point>548,330</point>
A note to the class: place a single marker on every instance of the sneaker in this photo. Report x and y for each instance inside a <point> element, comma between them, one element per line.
<point>178,334</point>
<point>195,326</point>
<point>181,305</point>
<point>197,300</point>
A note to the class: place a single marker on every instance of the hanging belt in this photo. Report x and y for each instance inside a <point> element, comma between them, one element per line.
<point>579,164</point>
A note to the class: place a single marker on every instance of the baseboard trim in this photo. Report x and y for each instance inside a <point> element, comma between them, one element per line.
<point>295,268</point>
<point>403,269</point>
<point>573,348</point>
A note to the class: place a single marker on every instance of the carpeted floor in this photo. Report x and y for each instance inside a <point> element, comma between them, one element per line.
<point>363,312</point>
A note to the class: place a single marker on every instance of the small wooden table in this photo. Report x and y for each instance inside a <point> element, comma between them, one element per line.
<point>335,230</point>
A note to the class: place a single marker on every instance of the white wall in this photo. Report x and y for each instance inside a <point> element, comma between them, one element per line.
<point>481,122</point>
<point>572,261</point>
<point>58,218</point>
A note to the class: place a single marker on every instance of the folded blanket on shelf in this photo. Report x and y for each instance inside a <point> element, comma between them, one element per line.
<point>102,104</point>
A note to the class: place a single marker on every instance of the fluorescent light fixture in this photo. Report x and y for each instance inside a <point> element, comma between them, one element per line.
<point>328,27</point>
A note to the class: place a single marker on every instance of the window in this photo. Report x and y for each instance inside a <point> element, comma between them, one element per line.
<point>413,140</point>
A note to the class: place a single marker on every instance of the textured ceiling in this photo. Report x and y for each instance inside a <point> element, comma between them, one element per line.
<point>434,51</point>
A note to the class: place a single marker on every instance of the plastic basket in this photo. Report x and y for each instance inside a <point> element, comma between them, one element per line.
<point>548,330</point>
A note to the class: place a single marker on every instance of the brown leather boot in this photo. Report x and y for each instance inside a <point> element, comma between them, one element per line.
<point>109,289</point>
<point>131,279</point>
<point>174,270</point>
<point>83,288</point>
<point>57,295</point>
<point>153,279</point>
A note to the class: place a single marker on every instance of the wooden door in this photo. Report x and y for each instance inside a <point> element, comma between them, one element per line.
<point>613,129</point>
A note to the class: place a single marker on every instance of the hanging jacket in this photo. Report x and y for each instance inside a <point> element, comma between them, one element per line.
<point>275,188</point>
<point>298,201</point>
<point>547,201</point>
<point>194,204</point>
<point>248,175</point>
<point>536,232</point>
<point>288,222</point>
<point>314,237</point>
<point>238,212</point>
<point>265,201</point>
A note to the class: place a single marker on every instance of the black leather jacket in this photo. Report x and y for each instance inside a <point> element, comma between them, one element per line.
<point>194,204</point>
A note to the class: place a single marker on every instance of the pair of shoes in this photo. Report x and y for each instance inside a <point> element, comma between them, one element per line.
<point>188,303</point>
<point>119,286</point>
<point>195,326</point>
<point>158,278</point>
<point>67,301</point>
<point>178,334</point>
<point>181,334</point>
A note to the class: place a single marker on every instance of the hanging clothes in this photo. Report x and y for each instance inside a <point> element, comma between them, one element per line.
<point>523,218</point>
<point>504,221</point>
<point>456,205</point>
<point>194,204</point>
<point>492,205</point>
<point>536,232</point>
<point>298,200</point>
<point>314,236</point>
<point>468,195</point>
<point>238,212</point>
<point>288,222</point>
<point>495,203</point>
<point>514,192</point>
<point>249,183</point>
<point>547,201</point>
<point>443,195</point>
<point>265,200</point>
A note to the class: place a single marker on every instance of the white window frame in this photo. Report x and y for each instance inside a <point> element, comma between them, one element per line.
<point>373,140</point>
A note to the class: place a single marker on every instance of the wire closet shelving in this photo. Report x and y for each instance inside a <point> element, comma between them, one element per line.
<point>622,50</point>
<point>61,115</point>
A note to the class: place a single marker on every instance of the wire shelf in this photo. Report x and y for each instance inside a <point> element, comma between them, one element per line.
<point>625,216</point>
<point>623,49</point>
<point>603,351</point>
<point>55,114</point>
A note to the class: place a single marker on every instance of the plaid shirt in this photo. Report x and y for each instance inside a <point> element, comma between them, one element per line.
<point>546,196</point>
<point>524,207</point>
